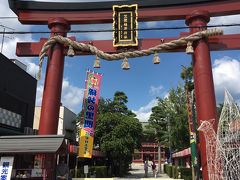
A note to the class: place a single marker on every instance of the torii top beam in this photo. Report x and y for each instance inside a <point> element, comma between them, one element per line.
<point>75,12</point>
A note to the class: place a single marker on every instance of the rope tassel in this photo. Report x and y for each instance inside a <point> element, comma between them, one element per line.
<point>70,52</point>
<point>40,67</point>
<point>39,73</point>
<point>97,62</point>
<point>125,64</point>
<point>189,49</point>
<point>156,58</point>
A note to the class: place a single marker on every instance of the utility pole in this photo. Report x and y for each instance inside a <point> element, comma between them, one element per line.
<point>3,36</point>
<point>4,29</point>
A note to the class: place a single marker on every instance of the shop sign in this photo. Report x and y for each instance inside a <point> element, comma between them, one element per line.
<point>6,165</point>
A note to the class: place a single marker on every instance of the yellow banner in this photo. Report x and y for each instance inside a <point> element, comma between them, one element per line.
<point>86,144</point>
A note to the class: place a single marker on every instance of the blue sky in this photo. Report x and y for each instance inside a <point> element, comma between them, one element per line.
<point>144,81</point>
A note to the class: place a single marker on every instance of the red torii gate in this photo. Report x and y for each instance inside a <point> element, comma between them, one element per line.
<point>59,17</point>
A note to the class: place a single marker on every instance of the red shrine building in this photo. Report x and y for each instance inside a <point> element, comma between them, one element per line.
<point>148,151</point>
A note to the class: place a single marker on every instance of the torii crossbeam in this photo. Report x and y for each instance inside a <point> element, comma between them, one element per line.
<point>63,14</point>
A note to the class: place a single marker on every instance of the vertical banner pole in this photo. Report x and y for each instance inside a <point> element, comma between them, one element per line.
<point>91,97</point>
<point>192,134</point>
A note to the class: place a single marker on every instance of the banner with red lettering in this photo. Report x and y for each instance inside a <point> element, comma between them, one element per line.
<point>90,105</point>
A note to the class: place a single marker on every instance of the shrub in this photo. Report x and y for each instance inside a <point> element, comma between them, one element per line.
<point>186,173</point>
<point>164,168</point>
<point>169,170</point>
<point>101,171</point>
<point>175,172</point>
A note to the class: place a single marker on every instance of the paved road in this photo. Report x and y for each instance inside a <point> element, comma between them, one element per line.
<point>137,172</point>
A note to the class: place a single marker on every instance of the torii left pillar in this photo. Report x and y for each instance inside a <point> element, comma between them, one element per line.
<point>53,80</point>
<point>52,90</point>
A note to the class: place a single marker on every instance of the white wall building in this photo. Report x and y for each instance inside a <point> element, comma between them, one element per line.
<point>65,121</point>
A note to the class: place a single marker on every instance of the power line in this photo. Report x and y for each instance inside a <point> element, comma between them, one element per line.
<point>6,27</point>
<point>3,34</point>
<point>8,17</point>
<point>110,30</point>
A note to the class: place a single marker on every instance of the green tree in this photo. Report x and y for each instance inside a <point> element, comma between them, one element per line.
<point>149,134</point>
<point>118,132</point>
<point>158,120</point>
<point>187,76</point>
<point>178,118</point>
<point>169,118</point>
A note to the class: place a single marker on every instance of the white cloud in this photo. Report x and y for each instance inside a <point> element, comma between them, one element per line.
<point>233,19</point>
<point>10,41</point>
<point>5,11</point>
<point>155,90</point>
<point>166,95</point>
<point>100,36</point>
<point>32,68</point>
<point>72,96</point>
<point>226,73</point>
<point>39,94</point>
<point>143,113</point>
<point>9,50</point>
<point>151,24</point>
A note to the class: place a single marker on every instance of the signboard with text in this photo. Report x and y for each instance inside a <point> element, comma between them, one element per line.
<point>6,165</point>
<point>90,105</point>
<point>125,25</point>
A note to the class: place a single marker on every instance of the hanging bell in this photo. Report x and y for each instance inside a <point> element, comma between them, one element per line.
<point>189,49</point>
<point>97,62</point>
<point>156,58</point>
<point>70,52</point>
<point>125,64</point>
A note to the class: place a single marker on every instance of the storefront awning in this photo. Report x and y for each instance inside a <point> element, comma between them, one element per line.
<point>33,144</point>
<point>183,153</point>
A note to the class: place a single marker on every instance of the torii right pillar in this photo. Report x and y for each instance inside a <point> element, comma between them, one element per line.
<point>203,80</point>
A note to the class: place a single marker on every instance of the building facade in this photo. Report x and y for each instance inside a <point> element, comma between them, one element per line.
<point>17,97</point>
<point>65,122</point>
<point>149,151</point>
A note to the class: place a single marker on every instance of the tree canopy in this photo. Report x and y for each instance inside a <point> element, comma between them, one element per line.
<point>170,120</point>
<point>118,132</point>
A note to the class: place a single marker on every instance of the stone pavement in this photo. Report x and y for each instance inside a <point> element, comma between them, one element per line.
<point>137,172</point>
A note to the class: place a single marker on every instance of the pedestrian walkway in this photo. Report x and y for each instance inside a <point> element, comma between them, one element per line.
<point>137,172</point>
